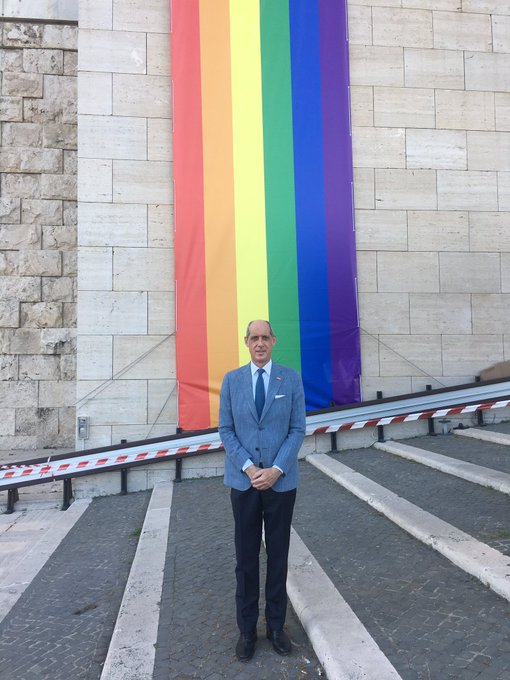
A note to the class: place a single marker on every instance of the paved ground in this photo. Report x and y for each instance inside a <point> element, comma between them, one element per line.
<point>61,626</point>
<point>197,633</point>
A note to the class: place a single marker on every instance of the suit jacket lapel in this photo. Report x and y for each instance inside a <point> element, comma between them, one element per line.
<point>275,382</point>
<point>247,388</point>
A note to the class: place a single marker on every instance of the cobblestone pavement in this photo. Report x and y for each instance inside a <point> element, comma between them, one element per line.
<point>433,621</point>
<point>197,632</point>
<point>61,626</point>
<point>477,510</point>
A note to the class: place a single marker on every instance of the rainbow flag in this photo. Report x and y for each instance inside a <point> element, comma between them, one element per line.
<point>263,195</point>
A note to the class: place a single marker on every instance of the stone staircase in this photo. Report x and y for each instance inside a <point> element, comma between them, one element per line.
<point>399,568</point>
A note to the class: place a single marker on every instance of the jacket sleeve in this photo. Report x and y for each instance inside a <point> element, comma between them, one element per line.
<point>233,447</point>
<point>289,450</point>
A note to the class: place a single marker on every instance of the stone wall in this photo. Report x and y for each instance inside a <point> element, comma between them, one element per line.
<point>37,234</point>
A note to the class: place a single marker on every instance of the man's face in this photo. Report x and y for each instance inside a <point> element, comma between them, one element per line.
<point>260,343</point>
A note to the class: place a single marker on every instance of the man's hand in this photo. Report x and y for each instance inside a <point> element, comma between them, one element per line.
<point>263,479</point>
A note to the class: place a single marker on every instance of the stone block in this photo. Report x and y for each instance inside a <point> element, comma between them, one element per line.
<point>107,313</point>
<point>389,386</point>
<point>442,314</point>
<point>41,315</point>
<point>94,357</point>
<point>22,134</point>
<point>10,212</point>
<point>161,313</point>
<point>68,367</point>
<point>159,139</point>
<point>369,354</point>
<point>141,95</point>
<point>60,135</point>
<point>462,31</point>
<point>54,393</point>
<point>362,105</point>
<point>364,188</point>
<point>121,402</point>
<point>444,149</point>
<point>22,84</point>
<point>143,269</point>
<point>95,93</point>
<point>381,229</point>
<point>57,341</point>
<point>43,61</point>
<point>20,185</point>
<point>142,182</point>
<point>376,65</point>
<point>113,137</point>
<point>486,6</point>
<point>410,355</point>
<point>489,231</point>
<point>94,180</point>
<point>402,27</point>
<point>69,263</point>
<point>11,60</point>
<point>60,36</point>
<point>18,394</point>
<point>30,160</point>
<point>360,25</point>
<point>70,63</point>
<point>378,147</point>
<point>96,14</point>
<point>488,150</point>
<point>469,354</point>
<point>501,33</point>
<point>504,190</point>
<point>404,107</point>
<point>470,272</point>
<point>112,51</point>
<point>9,314</point>
<point>153,17</point>
<point>70,315</point>
<point>466,190</point>
<point>114,224</point>
<point>11,109</point>
<point>440,230</point>
<point>405,189</point>
<point>41,423</point>
<point>63,187</point>
<point>44,212</point>
<point>40,263</point>
<point>144,357</point>
<point>21,34</point>
<point>489,72</point>
<point>15,236</point>
<point>160,226</point>
<point>33,367</point>
<point>7,422</point>
<point>490,313</point>
<point>70,162</point>
<point>434,68</point>
<point>18,443</point>
<point>23,289</point>
<point>70,213</point>
<point>19,341</point>
<point>60,237</point>
<point>408,272</point>
<point>95,268</point>
<point>456,109</point>
<point>366,263</point>
<point>162,403</point>
<point>9,367</point>
<point>9,261</point>
<point>158,54</point>
<point>58,104</point>
<point>49,10</point>
<point>384,312</point>
<point>59,289</point>
<point>502,103</point>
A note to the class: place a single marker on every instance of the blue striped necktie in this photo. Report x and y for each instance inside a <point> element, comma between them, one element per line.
<point>260,393</point>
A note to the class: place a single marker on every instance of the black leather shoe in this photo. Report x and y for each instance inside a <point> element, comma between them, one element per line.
<point>281,642</point>
<point>245,647</point>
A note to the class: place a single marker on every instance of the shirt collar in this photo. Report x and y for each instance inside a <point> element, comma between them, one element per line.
<point>267,367</point>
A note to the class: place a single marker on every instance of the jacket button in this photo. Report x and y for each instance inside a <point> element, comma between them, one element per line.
<point>257,448</point>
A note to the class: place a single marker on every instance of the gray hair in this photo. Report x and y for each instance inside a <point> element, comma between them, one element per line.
<point>264,320</point>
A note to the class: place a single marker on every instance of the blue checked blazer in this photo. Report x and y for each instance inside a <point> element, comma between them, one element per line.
<point>275,439</point>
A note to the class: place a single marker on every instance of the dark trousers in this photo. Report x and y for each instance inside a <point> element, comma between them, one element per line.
<point>251,508</point>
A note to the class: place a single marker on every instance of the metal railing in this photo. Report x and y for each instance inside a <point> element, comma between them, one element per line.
<point>431,404</point>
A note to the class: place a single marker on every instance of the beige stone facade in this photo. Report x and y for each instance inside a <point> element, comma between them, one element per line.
<point>430,113</point>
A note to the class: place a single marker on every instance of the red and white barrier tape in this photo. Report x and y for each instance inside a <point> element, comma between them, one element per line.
<point>64,467</point>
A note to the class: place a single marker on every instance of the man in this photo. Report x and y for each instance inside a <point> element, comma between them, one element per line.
<point>262,426</point>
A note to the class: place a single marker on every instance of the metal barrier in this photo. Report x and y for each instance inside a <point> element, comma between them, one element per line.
<point>430,404</point>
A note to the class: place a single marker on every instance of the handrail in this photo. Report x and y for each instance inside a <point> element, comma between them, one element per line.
<point>461,399</point>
